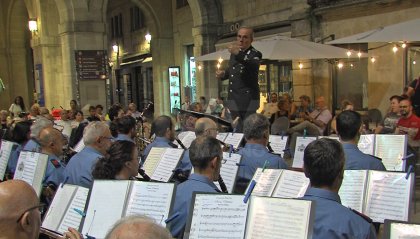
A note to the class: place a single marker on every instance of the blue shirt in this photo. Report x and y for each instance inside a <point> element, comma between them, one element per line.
<point>160,142</point>
<point>32,146</point>
<point>79,169</point>
<point>333,220</point>
<point>254,156</point>
<point>356,159</point>
<point>185,163</point>
<point>183,197</point>
<point>14,156</point>
<point>55,171</point>
<point>124,137</point>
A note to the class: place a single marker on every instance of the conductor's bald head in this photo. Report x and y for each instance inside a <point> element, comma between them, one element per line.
<point>19,214</point>
<point>205,127</point>
<point>134,227</point>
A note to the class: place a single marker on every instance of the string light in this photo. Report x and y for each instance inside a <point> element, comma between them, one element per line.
<point>351,65</point>
<point>218,66</point>
<point>414,62</point>
<point>199,67</point>
<point>359,54</point>
<point>348,53</point>
<point>300,65</point>
<point>404,45</point>
<point>340,65</point>
<point>372,59</point>
<point>220,60</point>
<point>395,49</point>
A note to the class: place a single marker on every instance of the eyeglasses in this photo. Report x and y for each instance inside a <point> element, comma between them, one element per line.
<point>40,207</point>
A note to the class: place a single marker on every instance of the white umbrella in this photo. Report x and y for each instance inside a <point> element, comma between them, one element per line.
<point>405,31</point>
<point>285,48</point>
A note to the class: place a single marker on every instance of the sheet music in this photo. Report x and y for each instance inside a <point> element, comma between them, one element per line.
<point>353,189</point>
<point>234,139</point>
<point>79,146</point>
<point>186,138</point>
<point>153,159</point>
<point>278,143</point>
<point>391,149</point>
<point>31,168</point>
<point>366,143</point>
<point>105,207</point>
<point>229,170</point>
<point>278,218</point>
<point>5,151</point>
<point>150,199</point>
<point>71,217</point>
<point>167,164</point>
<point>221,136</point>
<point>218,216</point>
<point>404,231</point>
<point>291,184</point>
<point>266,181</point>
<point>301,143</point>
<point>55,212</point>
<point>388,196</point>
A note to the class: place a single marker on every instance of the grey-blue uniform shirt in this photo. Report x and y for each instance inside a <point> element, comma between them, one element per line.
<point>79,169</point>
<point>160,142</point>
<point>333,220</point>
<point>32,145</point>
<point>14,156</point>
<point>185,163</point>
<point>254,156</point>
<point>124,137</point>
<point>356,159</point>
<point>183,197</point>
<point>55,171</point>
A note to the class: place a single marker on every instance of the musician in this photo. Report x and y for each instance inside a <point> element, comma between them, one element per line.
<point>120,162</point>
<point>126,128</point>
<point>206,156</point>
<point>255,153</point>
<point>163,128</point>
<point>203,127</point>
<point>20,135</point>
<point>349,128</point>
<point>39,124</point>
<point>97,139</point>
<point>324,166</point>
<point>20,215</point>
<point>137,226</point>
<point>133,112</point>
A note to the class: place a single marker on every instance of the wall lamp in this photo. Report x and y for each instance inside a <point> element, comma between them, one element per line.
<point>115,48</point>
<point>33,25</point>
<point>148,37</point>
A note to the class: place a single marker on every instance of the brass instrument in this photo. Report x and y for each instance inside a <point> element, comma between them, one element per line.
<point>143,129</point>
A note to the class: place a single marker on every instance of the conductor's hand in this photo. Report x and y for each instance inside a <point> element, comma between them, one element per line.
<point>220,74</point>
<point>72,234</point>
<point>234,49</point>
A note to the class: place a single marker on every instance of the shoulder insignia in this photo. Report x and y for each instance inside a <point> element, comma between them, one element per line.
<point>55,163</point>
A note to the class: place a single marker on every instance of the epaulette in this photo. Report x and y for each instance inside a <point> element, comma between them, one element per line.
<point>366,218</point>
<point>55,163</point>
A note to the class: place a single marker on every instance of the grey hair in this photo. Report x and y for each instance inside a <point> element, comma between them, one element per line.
<point>93,131</point>
<point>150,229</point>
<point>256,126</point>
<point>40,124</point>
<point>202,124</point>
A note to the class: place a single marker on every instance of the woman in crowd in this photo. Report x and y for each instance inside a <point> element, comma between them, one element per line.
<point>291,107</point>
<point>78,118</point>
<point>17,106</point>
<point>73,109</point>
<point>121,162</point>
<point>283,107</point>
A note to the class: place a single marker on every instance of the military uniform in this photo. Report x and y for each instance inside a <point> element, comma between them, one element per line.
<point>32,145</point>
<point>160,142</point>
<point>243,92</point>
<point>333,220</point>
<point>183,197</point>
<point>55,171</point>
<point>356,159</point>
<point>124,137</point>
<point>79,169</point>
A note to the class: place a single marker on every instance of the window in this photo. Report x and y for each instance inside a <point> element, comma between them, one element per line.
<point>116,26</point>
<point>136,19</point>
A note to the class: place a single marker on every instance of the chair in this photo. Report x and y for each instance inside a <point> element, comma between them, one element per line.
<point>280,125</point>
<point>375,116</point>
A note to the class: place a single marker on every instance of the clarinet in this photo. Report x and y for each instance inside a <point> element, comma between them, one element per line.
<point>180,143</point>
<point>222,184</point>
<point>144,175</point>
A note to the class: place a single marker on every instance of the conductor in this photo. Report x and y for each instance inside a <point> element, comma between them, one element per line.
<point>242,73</point>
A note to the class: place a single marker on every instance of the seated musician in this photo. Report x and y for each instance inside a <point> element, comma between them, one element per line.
<point>121,162</point>
<point>255,153</point>
<point>137,226</point>
<point>349,128</point>
<point>163,128</point>
<point>126,128</point>
<point>206,157</point>
<point>324,166</point>
<point>39,124</point>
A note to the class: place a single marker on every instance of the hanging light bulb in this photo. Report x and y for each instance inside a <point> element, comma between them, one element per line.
<point>199,67</point>
<point>351,65</point>
<point>220,60</point>
<point>404,45</point>
<point>359,54</point>
<point>218,66</point>
<point>348,53</point>
<point>372,59</point>
<point>395,49</point>
<point>300,65</point>
<point>414,62</point>
<point>340,65</point>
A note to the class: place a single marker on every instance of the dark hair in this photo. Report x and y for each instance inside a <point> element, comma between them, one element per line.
<point>100,107</point>
<point>125,124</point>
<point>255,126</point>
<point>21,104</point>
<point>160,125</point>
<point>397,97</point>
<point>323,161</point>
<point>203,149</point>
<point>305,97</point>
<point>20,131</point>
<point>109,166</point>
<point>77,112</point>
<point>344,104</point>
<point>92,108</point>
<point>348,124</point>
<point>113,111</point>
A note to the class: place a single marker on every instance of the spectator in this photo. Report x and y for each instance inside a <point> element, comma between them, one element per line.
<point>389,123</point>
<point>271,107</point>
<point>345,105</point>
<point>17,106</point>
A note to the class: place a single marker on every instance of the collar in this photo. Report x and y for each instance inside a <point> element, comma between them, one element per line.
<point>90,149</point>
<point>162,139</point>
<point>124,137</point>
<point>349,146</point>
<point>255,146</point>
<point>202,179</point>
<point>323,193</point>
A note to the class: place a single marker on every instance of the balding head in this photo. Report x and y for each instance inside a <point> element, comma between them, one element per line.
<point>320,103</point>
<point>51,141</point>
<point>16,197</point>
<point>134,227</point>
<point>205,127</point>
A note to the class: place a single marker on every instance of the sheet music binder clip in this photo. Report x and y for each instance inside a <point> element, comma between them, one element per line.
<point>304,133</point>
<point>407,157</point>
<point>230,150</point>
<point>282,134</point>
<point>64,182</point>
<point>80,212</point>
<point>250,189</point>
<point>89,237</point>
<point>410,169</point>
<point>170,219</point>
<point>265,165</point>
